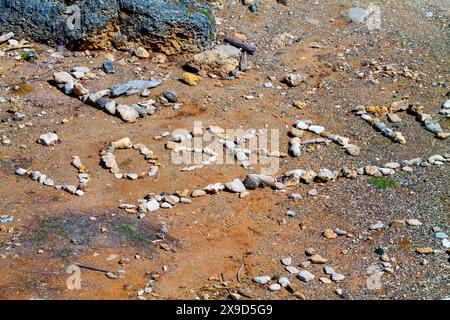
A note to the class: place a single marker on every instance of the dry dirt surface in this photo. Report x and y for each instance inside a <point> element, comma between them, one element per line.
<point>214,247</point>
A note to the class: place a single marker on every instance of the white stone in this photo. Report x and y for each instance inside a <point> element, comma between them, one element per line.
<point>261,279</point>
<point>305,276</point>
<point>152,205</point>
<point>48,138</point>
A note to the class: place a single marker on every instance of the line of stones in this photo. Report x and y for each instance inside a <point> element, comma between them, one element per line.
<point>68,83</point>
<point>416,110</point>
<point>301,126</point>
<point>43,179</point>
<point>230,146</point>
<point>167,200</point>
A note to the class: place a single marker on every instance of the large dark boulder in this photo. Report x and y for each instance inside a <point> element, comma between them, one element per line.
<point>171,26</point>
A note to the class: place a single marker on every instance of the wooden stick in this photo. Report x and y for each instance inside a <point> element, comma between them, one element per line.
<point>243,63</point>
<point>84,266</point>
<point>240,44</point>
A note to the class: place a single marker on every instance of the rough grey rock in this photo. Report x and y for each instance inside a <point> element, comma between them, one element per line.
<point>235,186</point>
<point>252,181</point>
<point>127,113</point>
<point>132,87</point>
<point>168,26</point>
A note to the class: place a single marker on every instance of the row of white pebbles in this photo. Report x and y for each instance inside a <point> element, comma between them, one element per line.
<point>45,180</point>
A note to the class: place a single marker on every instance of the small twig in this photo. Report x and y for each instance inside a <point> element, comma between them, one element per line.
<point>84,266</point>
<point>243,63</point>
<point>239,273</point>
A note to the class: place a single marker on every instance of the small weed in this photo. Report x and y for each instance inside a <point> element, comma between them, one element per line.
<point>383,183</point>
<point>131,233</point>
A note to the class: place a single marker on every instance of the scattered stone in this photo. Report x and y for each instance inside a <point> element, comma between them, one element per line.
<point>221,60</point>
<point>397,224</point>
<point>337,277</point>
<point>292,269</point>
<point>252,181</point>
<point>316,129</point>
<point>261,279</point>
<point>329,270</point>
<point>352,150</point>
<point>21,171</point>
<point>325,280</point>
<point>275,287</point>
<point>318,259</point>
<point>293,80</point>
<point>108,67</point>
<point>376,226</point>
<point>424,250</point>
<point>286,261</point>
<point>48,139</point>
<point>305,276</point>
<point>295,197</point>
<point>112,275</point>
<point>284,282</point>
<point>329,234</point>
<point>445,243</point>
<point>413,222</point>
<point>127,113</point>
<point>63,77</point>
<point>357,15</point>
<point>190,78</point>
<point>198,193</point>
<point>340,232</point>
<point>152,205</point>
<point>394,118</point>
<point>291,213</point>
<point>141,53</point>
<point>441,235</point>
<point>235,186</point>
<point>170,95</point>
<point>313,192</point>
